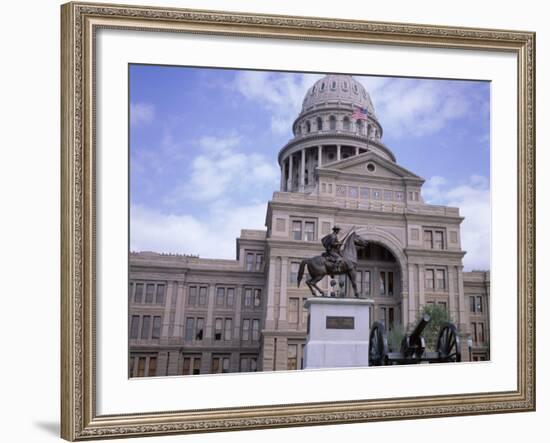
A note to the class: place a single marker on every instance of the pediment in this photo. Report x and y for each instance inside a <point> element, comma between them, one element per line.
<point>369,164</point>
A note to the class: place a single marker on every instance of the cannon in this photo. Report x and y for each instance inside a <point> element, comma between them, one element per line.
<point>413,346</point>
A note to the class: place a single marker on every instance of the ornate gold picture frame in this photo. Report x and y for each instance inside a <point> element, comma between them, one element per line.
<point>80,23</point>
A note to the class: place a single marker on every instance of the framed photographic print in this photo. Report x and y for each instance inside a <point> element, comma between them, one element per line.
<point>282,221</point>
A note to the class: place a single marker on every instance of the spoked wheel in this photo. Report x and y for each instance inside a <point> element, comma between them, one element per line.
<point>378,345</point>
<point>448,343</point>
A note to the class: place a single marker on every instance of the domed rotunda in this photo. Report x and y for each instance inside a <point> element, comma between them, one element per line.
<point>337,121</point>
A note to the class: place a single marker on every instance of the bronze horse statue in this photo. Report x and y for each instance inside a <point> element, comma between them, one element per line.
<point>319,266</point>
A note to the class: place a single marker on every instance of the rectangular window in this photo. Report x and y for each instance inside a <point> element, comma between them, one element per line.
<point>160,295</point>
<point>250,261</point>
<point>388,195</point>
<point>481,328</point>
<point>479,304</point>
<point>218,328</point>
<point>228,331</point>
<point>390,283</point>
<point>330,188</point>
<point>382,283</point>
<point>149,292</point>
<point>259,261</point>
<point>359,281</point>
<point>189,328</point>
<point>376,194</point>
<point>293,311</point>
<point>215,365</point>
<point>440,274</point>
<point>220,296</point>
<point>253,364</point>
<point>192,299</point>
<point>138,296</point>
<point>474,332</point>
<point>294,268</point>
<point>428,240</point>
<point>257,297</point>
<point>414,234</point>
<point>141,367</point>
<point>199,332</point>
<point>243,366</point>
<point>156,327</point>
<point>246,330</point>
<point>364,193</point>
<point>146,327</point>
<point>152,366</point>
<point>324,188</point>
<point>248,297</point>
<point>429,278</point>
<point>309,231</point>
<point>186,366</point>
<point>225,365</point>
<point>353,191</point>
<point>203,300</point>
<point>366,282</point>
<point>255,330</point>
<point>230,296</point>
<point>296,230</point>
<point>292,358</point>
<point>134,326</point>
<point>438,242</point>
<point>472,304</point>
<point>399,196</point>
<point>196,366</point>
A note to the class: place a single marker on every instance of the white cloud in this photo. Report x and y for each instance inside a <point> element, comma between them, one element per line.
<point>141,113</point>
<point>407,107</point>
<point>212,236</point>
<point>281,94</point>
<point>220,168</point>
<point>474,201</point>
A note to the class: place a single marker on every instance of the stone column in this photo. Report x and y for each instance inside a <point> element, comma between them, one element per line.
<point>283,178</point>
<point>178,321</point>
<point>209,322</point>
<point>421,289</point>
<point>270,309</point>
<point>290,173</point>
<point>461,302</point>
<point>320,155</point>
<point>357,150</point>
<point>282,323</point>
<point>412,294</point>
<point>451,278</point>
<point>338,152</point>
<point>303,171</point>
<point>172,287</point>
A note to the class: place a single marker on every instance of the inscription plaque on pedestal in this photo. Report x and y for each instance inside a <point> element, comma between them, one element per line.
<point>340,322</point>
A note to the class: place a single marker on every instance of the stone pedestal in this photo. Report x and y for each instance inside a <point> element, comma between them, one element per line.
<point>337,333</point>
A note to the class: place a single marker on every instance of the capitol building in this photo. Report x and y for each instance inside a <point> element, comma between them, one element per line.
<point>189,315</point>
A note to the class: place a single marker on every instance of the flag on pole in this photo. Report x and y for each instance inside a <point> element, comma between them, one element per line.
<point>360,114</point>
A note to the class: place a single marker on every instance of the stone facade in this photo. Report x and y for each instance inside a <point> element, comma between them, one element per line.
<point>190,315</point>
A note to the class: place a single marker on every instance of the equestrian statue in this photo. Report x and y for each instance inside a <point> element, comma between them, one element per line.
<point>339,258</point>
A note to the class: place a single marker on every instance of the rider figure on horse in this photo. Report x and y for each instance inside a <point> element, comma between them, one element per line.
<point>332,249</point>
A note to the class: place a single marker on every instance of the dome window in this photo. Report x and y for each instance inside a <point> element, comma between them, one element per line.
<point>371,167</point>
<point>319,124</point>
<point>355,88</point>
<point>323,86</point>
<point>308,126</point>
<point>313,90</point>
<point>346,124</point>
<point>333,86</point>
<point>332,123</point>
<point>359,126</point>
<point>345,86</point>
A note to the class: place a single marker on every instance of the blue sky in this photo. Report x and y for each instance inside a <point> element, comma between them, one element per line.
<point>204,145</point>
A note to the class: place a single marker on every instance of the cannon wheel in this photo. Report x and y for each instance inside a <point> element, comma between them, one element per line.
<point>378,345</point>
<point>448,343</point>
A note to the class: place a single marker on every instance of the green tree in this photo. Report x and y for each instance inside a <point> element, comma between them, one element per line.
<point>438,316</point>
<point>395,336</point>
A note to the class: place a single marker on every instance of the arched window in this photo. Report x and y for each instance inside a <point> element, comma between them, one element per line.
<point>313,90</point>
<point>298,130</point>
<point>355,88</point>
<point>333,86</point>
<point>345,86</point>
<point>332,123</point>
<point>322,86</point>
<point>308,126</point>
<point>319,124</point>
<point>346,124</point>
<point>359,126</point>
